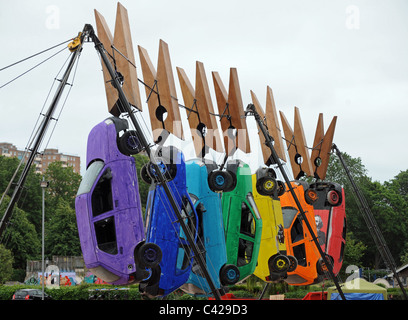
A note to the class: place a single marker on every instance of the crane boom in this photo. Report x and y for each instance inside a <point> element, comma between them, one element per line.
<point>371,223</point>
<point>75,47</point>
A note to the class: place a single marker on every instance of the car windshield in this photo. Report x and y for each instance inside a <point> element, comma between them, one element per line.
<point>250,199</point>
<point>90,176</point>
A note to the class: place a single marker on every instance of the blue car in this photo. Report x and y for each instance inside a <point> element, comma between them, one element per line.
<point>162,226</point>
<point>211,238</point>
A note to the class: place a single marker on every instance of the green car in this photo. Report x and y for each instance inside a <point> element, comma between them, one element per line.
<point>242,221</point>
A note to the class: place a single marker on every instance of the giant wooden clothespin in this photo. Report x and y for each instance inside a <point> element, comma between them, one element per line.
<point>271,121</point>
<point>199,109</point>
<point>321,147</point>
<point>232,114</point>
<point>120,51</point>
<point>297,146</point>
<point>161,94</point>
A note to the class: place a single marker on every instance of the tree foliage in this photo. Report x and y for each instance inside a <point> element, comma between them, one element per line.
<point>387,201</point>
<point>61,231</point>
<point>6,265</point>
<point>143,186</point>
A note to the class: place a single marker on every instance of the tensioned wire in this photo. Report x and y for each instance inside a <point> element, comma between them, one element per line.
<point>35,66</point>
<point>35,128</point>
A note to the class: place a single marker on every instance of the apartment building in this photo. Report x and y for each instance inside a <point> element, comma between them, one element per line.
<point>43,159</point>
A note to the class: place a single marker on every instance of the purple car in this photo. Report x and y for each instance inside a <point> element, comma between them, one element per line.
<point>108,208</point>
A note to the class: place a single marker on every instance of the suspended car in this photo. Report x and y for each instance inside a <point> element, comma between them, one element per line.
<point>273,261</point>
<point>299,241</point>
<point>163,227</point>
<point>331,222</point>
<point>211,239</point>
<point>242,221</point>
<point>108,209</point>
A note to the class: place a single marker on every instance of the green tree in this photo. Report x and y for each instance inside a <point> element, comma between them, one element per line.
<point>388,204</point>
<point>354,251</point>
<point>391,214</point>
<point>20,237</point>
<point>143,186</point>
<point>30,199</point>
<point>6,265</point>
<point>400,184</point>
<point>61,231</point>
<point>63,184</point>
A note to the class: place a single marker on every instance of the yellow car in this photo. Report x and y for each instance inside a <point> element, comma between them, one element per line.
<point>273,263</point>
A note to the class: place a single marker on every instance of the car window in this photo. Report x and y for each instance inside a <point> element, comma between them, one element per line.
<point>247,221</point>
<point>245,250</point>
<point>251,201</point>
<point>299,252</point>
<point>106,235</point>
<point>296,232</point>
<point>288,213</point>
<point>102,194</point>
<point>188,214</point>
<point>90,176</point>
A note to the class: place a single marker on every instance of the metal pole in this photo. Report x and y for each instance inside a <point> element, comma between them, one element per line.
<point>42,238</point>
<point>275,158</point>
<point>372,224</point>
<point>43,184</point>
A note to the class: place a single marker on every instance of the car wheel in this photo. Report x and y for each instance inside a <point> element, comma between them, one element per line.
<point>149,255</point>
<point>171,171</point>
<point>145,175</point>
<point>266,186</point>
<point>333,197</point>
<point>220,181</point>
<point>293,263</point>
<point>129,143</point>
<point>281,188</point>
<point>229,274</point>
<point>279,263</point>
<point>321,266</point>
<point>310,196</point>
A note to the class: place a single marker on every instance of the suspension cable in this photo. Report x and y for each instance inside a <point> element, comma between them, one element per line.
<point>38,64</point>
<point>34,55</point>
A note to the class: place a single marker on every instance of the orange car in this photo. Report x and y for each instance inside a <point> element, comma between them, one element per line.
<point>299,241</point>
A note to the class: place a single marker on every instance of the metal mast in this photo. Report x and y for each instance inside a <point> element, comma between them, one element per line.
<point>371,223</point>
<point>76,47</point>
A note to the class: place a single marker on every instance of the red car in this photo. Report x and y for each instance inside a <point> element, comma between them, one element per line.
<point>331,222</point>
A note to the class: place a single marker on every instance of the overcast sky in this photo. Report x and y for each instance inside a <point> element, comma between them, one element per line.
<point>341,58</point>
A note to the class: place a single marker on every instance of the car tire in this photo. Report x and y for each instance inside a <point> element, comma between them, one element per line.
<point>171,171</point>
<point>220,181</point>
<point>229,274</point>
<point>129,143</point>
<point>321,266</point>
<point>266,186</point>
<point>281,188</point>
<point>279,263</point>
<point>310,196</point>
<point>333,197</point>
<point>293,263</point>
<point>148,255</point>
<point>234,182</point>
<point>144,174</point>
